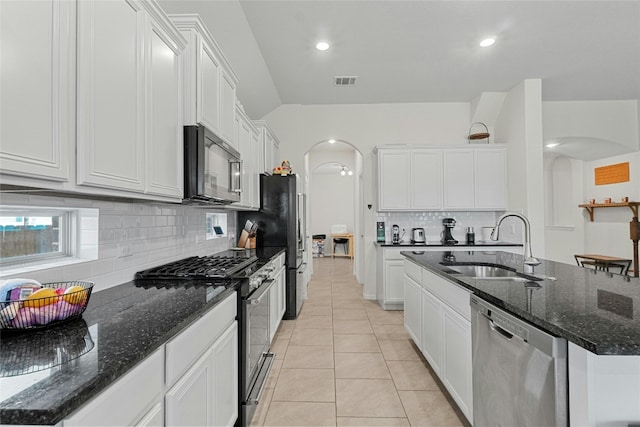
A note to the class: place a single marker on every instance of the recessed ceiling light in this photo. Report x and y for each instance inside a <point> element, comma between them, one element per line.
<point>488,42</point>
<point>331,141</point>
<point>552,144</point>
<point>350,173</point>
<point>322,46</point>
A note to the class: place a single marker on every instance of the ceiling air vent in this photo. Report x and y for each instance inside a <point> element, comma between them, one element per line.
<point>344,80</point>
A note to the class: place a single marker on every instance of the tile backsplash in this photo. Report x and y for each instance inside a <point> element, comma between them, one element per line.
<point>432,224</point>
<point>132,236</point>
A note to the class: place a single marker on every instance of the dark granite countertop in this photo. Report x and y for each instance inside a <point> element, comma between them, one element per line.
<point>596,310</point>
<point>438,244</point>
<point>46,374</point>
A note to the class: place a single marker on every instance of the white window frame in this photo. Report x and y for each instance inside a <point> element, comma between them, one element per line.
<point>81,239</point>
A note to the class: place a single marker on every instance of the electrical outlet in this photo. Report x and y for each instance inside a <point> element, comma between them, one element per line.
<point>125,250</point>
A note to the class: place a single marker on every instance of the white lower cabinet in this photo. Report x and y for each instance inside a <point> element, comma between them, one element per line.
<point>432,330</point>
<point>192,380</point>
<point>277,300</point>
<point>154,417</point>
<point>208,393</point>
<point>129,400</point>
<point>390,283</point>
<point>456,364</point>
<point>445,331</point>
<point>188,402</point>
<point>412,310</point>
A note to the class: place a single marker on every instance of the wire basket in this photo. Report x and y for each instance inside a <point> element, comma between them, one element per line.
<point>66,301</point>
<point>475,136</point>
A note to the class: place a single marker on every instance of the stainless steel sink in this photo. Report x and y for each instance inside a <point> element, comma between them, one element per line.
<point>492,272</point>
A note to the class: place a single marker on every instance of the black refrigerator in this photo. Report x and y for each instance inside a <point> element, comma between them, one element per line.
<point>281,224</point>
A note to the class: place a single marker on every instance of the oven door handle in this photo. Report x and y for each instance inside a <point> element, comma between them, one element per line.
<point>262,290</point>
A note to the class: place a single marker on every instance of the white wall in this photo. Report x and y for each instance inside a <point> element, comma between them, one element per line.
<point>157,234</point>
<point>332,202</point>
<point>519,125</point>
<point>608,234</point>
<point>300,127</point>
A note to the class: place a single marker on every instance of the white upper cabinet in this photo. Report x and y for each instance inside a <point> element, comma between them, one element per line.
<point>426,179</point>
<point>164,146</point>
<point>209,81</point>
<point>129,103</point>
<point>257,160</point>
<point>409,179</point>
<point>111,93</point>
<point>270,147</point>
<point>456,178</point>
<point>245,133</point>
<point>37,88</point>
<point>490,177</point>
<point>394,179</point>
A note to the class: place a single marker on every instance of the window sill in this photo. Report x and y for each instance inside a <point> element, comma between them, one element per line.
<point>18,269</point>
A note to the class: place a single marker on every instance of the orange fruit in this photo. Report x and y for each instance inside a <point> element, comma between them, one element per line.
<point>75,295</point>
<point>40,298</point>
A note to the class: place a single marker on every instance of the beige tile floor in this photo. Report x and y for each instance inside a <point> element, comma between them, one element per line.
<point>346,362</point>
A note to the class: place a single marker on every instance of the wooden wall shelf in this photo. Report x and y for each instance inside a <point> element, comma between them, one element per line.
<point>591,206</point>
<point>634,226</point>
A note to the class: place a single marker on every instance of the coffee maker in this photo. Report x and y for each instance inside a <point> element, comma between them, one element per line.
<point>395,234</point>
<point>445,236</point>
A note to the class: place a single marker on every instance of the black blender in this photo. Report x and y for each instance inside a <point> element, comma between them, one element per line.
<point>446,237</point>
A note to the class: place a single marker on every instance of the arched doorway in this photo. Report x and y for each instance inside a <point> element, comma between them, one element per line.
<point>333,173</point>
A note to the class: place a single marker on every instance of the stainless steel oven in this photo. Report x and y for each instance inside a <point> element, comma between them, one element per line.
<point>256,316</point>
<point>258,357</point>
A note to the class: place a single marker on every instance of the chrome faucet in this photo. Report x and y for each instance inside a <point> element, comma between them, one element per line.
<point>528,256</point>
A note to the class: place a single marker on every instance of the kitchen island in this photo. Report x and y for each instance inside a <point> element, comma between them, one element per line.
<point>51,374</point>
<point>597,312</point>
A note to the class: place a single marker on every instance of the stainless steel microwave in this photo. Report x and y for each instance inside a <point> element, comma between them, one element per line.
<point>212,168</point>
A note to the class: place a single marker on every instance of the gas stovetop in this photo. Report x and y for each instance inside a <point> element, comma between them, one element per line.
<point>208,267</point>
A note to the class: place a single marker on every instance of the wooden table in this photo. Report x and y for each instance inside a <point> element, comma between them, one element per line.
<point>342,236</point>
<point>603,262</point>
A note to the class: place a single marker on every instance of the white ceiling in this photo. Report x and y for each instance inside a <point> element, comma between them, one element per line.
<point>421,50</point>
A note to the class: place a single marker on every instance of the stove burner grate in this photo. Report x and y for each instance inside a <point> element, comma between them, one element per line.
<point>220,267</point>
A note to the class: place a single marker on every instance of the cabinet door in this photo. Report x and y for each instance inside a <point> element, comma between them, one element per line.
<point>458,179</point>
<point>225,378</point>
<point>274,300</point>
<point>456,366</point>
<point>432,330</point>
<point>244,142</point>
<point>412,309</point>
<point>268,152</point>
<point>188,403</point>
<point>132,394</point>
<point>258,162</point>
<point>393,281</point>
<point>209,73</point>
<point>490,177</point>
<point>164,100</point>
<point>111,94</point>
<point>394,185</point>
<point>426,179</point>
<point>154,417</point>
<point>282,296</point>
<point>37,88</point>
<point>227,108</point>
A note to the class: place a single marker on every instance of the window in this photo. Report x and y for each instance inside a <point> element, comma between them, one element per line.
<point>31,235</point>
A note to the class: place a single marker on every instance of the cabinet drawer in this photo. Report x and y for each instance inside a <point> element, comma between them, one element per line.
<point>125,401</point>
<point>186,348</point>
<point>451,294</point>
<point>413,270</point>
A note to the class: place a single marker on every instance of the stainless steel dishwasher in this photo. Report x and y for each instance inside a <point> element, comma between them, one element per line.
<point>519,371</point>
